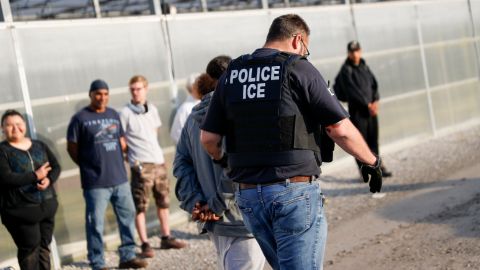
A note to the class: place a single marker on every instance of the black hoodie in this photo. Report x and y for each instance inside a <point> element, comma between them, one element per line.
<point>356,85</point>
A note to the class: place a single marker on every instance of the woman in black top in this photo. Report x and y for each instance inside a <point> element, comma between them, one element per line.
<point>28,201</point>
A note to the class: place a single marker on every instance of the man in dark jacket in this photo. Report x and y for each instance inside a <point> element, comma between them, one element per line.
<point>204,190</point>
<point>356,85</point>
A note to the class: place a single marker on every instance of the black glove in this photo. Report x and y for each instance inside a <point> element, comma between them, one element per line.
<point>374,174</point>
<point>223,162</point>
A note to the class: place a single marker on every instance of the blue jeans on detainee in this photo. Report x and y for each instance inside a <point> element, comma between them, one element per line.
<point>288,221</point>
<point>96,201</point>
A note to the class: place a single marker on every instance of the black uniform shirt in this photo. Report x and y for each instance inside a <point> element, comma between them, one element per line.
<point>313,96</point>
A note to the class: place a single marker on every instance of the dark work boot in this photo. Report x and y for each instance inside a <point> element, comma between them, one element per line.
<point>134,263</point>
<point>147,251</point>
<point>170,242</point>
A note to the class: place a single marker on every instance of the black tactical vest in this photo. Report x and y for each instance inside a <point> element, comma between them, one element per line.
<point>265,125</point>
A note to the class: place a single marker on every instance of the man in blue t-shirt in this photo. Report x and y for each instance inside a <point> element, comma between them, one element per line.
<point>95,142</point>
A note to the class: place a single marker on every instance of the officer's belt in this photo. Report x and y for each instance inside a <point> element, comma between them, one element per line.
<point>294,179</point>
<point>270,159</point>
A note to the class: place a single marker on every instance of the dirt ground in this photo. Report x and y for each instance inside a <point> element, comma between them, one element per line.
<point>429,217</point>
<point>437,228</point>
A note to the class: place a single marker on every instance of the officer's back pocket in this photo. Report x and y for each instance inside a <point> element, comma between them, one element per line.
<point>293,215</point>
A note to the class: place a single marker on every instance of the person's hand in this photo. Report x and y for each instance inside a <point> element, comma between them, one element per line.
<point>43,184</point>
<point>208,215</point>
<point>42,172</point>
<point>203,213</point>
<point>373,174</point>
<point>196,211</point>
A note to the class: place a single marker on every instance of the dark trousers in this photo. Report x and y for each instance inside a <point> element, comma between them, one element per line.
<point>31,229</point>
<point>368,127</point>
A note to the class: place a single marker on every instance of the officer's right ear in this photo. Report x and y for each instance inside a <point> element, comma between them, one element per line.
<point>297,45</point>
<point>296,42</point>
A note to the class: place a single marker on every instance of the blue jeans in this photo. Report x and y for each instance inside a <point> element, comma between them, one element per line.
<point>288,222</point>
<point>96,201</point>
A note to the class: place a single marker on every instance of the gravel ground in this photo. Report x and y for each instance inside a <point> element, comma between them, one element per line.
<point>414,168</point>
<point>198,255</point>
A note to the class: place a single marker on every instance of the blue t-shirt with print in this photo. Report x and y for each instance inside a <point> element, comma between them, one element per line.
<point>99,151</point>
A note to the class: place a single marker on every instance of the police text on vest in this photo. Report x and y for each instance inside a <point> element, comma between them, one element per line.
<point>253,80</point>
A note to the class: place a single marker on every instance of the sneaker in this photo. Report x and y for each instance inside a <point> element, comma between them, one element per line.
<point>134,263</point>
<point>170,242</point>
<point>147,251</point>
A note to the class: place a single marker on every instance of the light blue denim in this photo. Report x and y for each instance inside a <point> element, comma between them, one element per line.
<point>96,201</point>
<point>288,222</point>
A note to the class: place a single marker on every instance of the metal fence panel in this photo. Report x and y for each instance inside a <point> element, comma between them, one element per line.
<point>444,20</point>
<point>386,26</point>
<point>397,72</point>
<point>403,118</point>
<point>196,39</point>
<point>451,59</point>
<point>330,30</point>
<point>450,63</point>
<point>388,36</point>
<point>10,90</point>
<point>456,104</point>
<point>64,60</point>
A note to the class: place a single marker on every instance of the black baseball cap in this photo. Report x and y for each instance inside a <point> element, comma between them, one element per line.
<point>98,84</point>
<point>353,46</point>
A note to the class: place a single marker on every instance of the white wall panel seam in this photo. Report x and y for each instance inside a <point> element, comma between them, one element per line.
<point>84,95</point>
<point>169,56</point>
<point>450,42</point>
<point>425,71</point>
<point>11,105</point>
<point>432,90</point>
<point>453,84</point>
<point>23,82</point>
<point>6,11</point>
<point>97,8</point>
<point>354,24</point>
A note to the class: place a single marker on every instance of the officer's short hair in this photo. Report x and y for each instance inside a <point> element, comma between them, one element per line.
<point>205,84</point>
<point>218,65</point>
<point>286,26</point>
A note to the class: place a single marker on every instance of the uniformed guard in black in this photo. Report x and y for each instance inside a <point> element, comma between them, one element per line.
<point>356,85</point>
<point>270,107</point>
